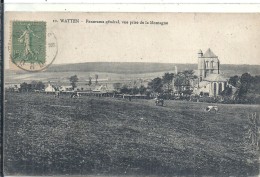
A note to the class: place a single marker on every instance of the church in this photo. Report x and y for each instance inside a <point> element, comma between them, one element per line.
<point>211,82</point>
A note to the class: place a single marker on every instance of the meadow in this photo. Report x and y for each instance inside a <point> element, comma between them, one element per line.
<point>112,136</point>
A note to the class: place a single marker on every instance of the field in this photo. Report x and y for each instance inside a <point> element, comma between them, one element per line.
<point>108,136</point>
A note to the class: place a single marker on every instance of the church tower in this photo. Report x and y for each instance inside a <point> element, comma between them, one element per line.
<point>208,63</point>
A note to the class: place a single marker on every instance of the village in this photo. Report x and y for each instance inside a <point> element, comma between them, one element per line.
<point>174,121</point>
<point>206,84</point>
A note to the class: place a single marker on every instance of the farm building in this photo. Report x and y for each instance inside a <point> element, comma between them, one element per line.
<point>49,88</point>
<point>211,82</point>
<point>103,89</point>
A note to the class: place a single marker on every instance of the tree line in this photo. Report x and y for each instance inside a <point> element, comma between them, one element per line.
<point>161,85</point>
<point>180,81</point>
<point>243,89</point>
<point>34,85</point>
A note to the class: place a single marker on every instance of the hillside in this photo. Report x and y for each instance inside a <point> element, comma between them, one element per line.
<point>109,136</point>
<point>120,68</point>
<point>135,68</point>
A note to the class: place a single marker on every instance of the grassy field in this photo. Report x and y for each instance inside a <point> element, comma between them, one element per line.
<point>106,136</point>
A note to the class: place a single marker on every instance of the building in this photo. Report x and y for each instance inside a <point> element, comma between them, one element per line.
<point>103,89</point>
<point>208,63</point>
<point>49,88</point>
<point>211,82</point>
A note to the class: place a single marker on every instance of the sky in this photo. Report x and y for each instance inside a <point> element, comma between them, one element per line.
<point>234,38</point>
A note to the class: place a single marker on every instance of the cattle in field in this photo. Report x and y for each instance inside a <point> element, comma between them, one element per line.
<point>212,108</point>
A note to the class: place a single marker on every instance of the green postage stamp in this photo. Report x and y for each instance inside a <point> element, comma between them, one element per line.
<point>29,44</point>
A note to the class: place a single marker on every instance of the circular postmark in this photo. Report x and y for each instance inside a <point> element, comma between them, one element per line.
<point>33,47</point>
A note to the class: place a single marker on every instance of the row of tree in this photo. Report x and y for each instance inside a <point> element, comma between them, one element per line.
<point>90,80</point>
<point>74,79</point>
<point>179,80</point>
<point>133,91</point>
<point>34,85</point>
<point>159,85</point>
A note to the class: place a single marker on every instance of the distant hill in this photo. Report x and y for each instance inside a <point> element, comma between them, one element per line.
<point>117,71</point>
<point>139,68</point>
<point>120,67</point>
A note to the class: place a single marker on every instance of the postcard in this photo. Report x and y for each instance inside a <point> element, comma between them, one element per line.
<point>131,94</point>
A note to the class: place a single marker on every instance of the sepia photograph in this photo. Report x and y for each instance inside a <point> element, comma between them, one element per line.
<point>131,94</point>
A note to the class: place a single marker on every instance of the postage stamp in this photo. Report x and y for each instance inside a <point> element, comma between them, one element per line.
<point>29,45</point>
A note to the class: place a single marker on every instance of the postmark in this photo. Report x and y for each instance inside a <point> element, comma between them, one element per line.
<point>33,47</point>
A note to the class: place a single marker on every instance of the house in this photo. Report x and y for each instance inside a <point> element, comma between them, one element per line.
<point>49,88</point>
<point>107,88</point>
<point>101,89</point>
<point>211,82</point>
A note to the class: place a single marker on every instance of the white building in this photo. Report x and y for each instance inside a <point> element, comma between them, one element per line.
<point>101,89</point>
<point>49,88</point>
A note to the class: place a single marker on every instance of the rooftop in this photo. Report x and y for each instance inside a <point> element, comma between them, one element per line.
<point>209,54</point>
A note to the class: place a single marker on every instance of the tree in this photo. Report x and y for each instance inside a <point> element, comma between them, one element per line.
<point>96,77</point>
<point>246,80</point>
<point>90,81</point>
<point>125,89</point>
<point>255,87</point>
<point>156,85</point>
<point>40,86</point>
<point>73,81</point>
<point>117,86</point>
<point>244,84</point>
<point>226,92</point>
<point>167,79</point>
<point>24,87</point>
<point>135,90</point>
<point>34,85</point>
<point>142,89</point>
<point>234,80</point>
<point>247,87</point>
<point>183,79</point>
<point>37,85</point>
<point>180,81</point>
<point>189,75</point>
